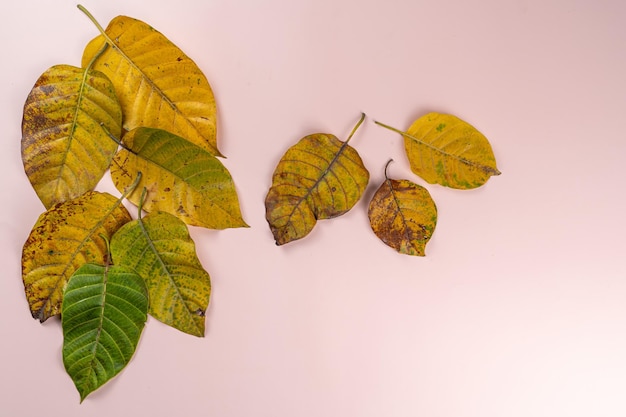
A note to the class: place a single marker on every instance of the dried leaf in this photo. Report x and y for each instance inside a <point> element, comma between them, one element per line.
<point>182,179</point>
<point>318,178</point>
<point>403,215</point>
<point>64,238</point>
<point>158,247</point>
<point>443,149</point>
<point>65,150</point>
<point>158,85</point>
<point>104,312</point>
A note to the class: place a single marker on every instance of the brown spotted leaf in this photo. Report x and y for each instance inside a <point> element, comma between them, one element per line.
<point>65,149</point>
<point>64,238</point>
<point>403,215</point>
<point>318,178</point>
<point>445,150</point>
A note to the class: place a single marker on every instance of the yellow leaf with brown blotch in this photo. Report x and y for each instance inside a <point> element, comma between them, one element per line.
<point>65,149</point>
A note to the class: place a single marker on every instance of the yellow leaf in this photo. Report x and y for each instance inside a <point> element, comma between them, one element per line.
<point>403,215</point>
<point>158,247</point>
<point>181,178</point>
<point>318,178</point>
<point>443,149</point>
<point>64,238</point>
<point>157,84</point>
<point>65,150</point>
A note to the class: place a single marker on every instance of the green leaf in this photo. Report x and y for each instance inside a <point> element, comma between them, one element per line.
<point>158,247</point>
<point>104,312</point>
<point>318,178</point>
<point>182,179</point>
<point>443,149</point>
<point>65,150</point>
<point>403,215</point>
<point>64,238</point>
<point>158,85</point>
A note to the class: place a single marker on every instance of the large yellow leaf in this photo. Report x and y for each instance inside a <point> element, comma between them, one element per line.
<point>158,85</point>
<point>403,215</point>
<point>64,238</point>
<point>318,178</point>
<point>182,179</point>
<point>443,149</point>
<point>158,247</point>
<point>65,150</point>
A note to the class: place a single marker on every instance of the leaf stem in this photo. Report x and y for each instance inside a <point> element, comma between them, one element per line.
<point>96,56</point>
<point>387,166</point>
<point>356,127</point>
<point>390,128</point>
<point>132,187</point>
<point>90,16</point>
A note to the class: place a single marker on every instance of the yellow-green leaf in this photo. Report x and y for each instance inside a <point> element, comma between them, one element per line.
<point>320,177</point>
<point>182,179</point>
<point>65,150</point>
<point>104,312</point>
<point>403,215</point>
<point>158,247</point>
<point>158,85</point>
<point>64,238</point>
<point>443,149</point>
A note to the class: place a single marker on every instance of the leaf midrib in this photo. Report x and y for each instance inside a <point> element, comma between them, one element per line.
<point>163,265</point>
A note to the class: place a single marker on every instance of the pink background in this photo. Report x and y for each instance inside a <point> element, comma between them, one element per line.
<point>519,307</point>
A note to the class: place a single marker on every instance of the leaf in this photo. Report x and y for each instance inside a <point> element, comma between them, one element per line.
<point>159,248</point>
<point>403,215</point>
<point>65,150</point>
<point>443,149</point>
<point>104,312</point>
<point>182,179</point>
<point>158,85</point>
<point>318,178</point>
<point>64,238</point>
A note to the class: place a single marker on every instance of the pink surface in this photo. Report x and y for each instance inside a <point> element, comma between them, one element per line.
<point>519,307</point>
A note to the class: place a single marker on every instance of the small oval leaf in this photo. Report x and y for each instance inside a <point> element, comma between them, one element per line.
<point>181,178</point>
<point>65,150</point>
<point>158,85</point>
<point>445,150</point>
<point>104,312</point>
<point>158,247</point>
<point>403,215</point>
<point>318,178</point>
<point>64,238</point>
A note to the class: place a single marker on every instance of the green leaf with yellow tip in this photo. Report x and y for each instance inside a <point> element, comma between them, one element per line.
<point>320,177</point>
<point>158,247</point>
<point>445,150</point>
<point>181,178</point>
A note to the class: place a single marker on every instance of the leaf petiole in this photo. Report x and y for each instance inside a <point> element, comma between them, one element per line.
<point>356,127</point>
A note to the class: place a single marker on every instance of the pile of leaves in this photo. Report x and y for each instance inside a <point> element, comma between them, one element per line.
<point>141,110</point>
<point>321,177</point>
